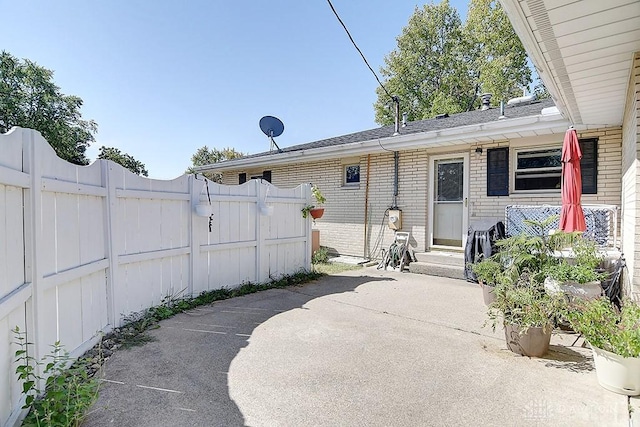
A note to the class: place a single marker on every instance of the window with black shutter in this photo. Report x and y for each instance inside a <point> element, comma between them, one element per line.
<point>266,175</point>
<point>498,172</point>
<point>589,165</point>
<point>242,178</point>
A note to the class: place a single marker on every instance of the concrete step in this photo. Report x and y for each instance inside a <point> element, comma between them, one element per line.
<point>442,270</point>
<point>441,257</point>
<point>439,263</point>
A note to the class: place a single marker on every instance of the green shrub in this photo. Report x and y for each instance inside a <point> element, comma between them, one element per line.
<point>321,256</point>
<point>606,327</point>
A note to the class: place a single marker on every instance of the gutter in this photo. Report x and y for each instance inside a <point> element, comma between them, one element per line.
<point>552,123</point>
<point>522,28</point>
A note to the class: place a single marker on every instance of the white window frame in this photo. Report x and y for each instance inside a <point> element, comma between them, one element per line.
<point>514,167</point>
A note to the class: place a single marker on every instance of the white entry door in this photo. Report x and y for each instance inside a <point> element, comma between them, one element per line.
<point>449,200</point>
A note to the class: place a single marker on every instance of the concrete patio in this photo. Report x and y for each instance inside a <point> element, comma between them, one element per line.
<point>365,348</point>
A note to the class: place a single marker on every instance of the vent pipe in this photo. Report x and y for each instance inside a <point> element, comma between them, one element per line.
<point>486,101</point>
<point>396,103</point>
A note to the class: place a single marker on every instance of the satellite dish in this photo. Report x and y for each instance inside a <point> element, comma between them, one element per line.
<point>272,127</point>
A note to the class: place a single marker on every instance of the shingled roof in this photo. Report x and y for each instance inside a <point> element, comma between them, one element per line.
<point>455,120</point>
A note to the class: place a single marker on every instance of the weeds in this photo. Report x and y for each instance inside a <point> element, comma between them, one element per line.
<point>68,390</point>
<point>134,331</point>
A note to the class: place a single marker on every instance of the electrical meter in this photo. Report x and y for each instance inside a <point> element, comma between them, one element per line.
<point>395,219</point>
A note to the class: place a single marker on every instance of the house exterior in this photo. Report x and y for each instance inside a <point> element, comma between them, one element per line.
<point>454,171</point>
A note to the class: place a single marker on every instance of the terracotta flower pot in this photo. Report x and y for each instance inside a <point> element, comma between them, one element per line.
<point>316,213</point>
<point>533,343</point>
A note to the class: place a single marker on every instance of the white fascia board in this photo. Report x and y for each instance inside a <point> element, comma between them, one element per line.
<point>521,26</point>
<point>438,138</point>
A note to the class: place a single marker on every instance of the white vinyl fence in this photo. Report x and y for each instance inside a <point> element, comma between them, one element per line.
<point>81,247</point>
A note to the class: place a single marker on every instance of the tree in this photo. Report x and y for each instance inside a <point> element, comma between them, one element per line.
<point>427,70</point>
<point>440,65</point>
<point>540,90</point>
<point>29,98</point>
<point>124,159</point>
<point>495,51</point>
<point>206,156</point>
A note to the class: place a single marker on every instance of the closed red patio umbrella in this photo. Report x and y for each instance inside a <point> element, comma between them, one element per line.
<point>571,214</point>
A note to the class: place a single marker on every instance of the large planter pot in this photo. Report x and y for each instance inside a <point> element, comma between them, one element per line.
<point>588,290</point>
<point>487,293</point>
<point>616,373</point>
<point>533,343</point>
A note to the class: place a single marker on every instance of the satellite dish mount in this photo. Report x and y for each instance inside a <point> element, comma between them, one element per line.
<point>272,127</point>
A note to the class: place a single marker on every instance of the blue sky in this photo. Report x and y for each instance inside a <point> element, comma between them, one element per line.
<point>164,78</point>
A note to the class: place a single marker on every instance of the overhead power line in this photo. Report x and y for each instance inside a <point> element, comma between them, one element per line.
<point>394,98</point>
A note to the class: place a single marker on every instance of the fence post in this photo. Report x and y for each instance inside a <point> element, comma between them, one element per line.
<point>261,250</point>
<point>31,162</point>
<point>110,201</point>
<point>309,228</point>
<point>194,273</point>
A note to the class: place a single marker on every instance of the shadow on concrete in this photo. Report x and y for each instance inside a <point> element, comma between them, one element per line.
<point>181,378</point>
<point>562,357</point>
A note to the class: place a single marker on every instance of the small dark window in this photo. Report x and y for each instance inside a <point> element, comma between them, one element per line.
<point>352,174</point>
<point>589,165</point>
<point>498,172</point>
<point>266,175</point>
<point>242,178</point>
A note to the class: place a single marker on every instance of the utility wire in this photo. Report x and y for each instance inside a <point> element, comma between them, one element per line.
<point>394,98</point>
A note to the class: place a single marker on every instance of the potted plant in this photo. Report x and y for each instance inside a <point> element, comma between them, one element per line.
<point>315,212</point>
<point>576,274</point>
<point>526,310</point>
<point>614,336</point>
<point>488,272</point>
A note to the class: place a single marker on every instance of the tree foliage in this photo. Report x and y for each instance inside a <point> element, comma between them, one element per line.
<point>124,159</point>
<point>495,51</point>
<point>206,156</point>
<point>441,64</point>
<point>29,98</point>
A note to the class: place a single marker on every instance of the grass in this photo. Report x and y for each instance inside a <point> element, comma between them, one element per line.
<point>334,267</point>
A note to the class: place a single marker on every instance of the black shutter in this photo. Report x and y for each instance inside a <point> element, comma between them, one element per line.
<point>589,165</point>
<point>266,175</point>
<point>242,178</point>
<point>498,172</point>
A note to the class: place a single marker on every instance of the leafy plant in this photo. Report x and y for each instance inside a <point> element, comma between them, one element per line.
<point>321,256</point>
<point>68,389</point>
<point>524,303</point>
<point>606,327</point>
<point>488,271</point>
<point>317,194</point>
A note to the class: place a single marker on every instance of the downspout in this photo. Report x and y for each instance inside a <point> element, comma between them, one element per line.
<point>366,207</point>
<point>396,101</point>
<point>396,156</point>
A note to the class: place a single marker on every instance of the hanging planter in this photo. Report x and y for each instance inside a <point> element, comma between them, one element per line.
<point>204,207</point>
<point>316,213</point>
<point>263,208</point>
<point>311,210</point>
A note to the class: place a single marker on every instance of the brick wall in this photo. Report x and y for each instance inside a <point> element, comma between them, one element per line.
<point>342,228</point>
<point>609,177</point>
<point>631,177</point>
